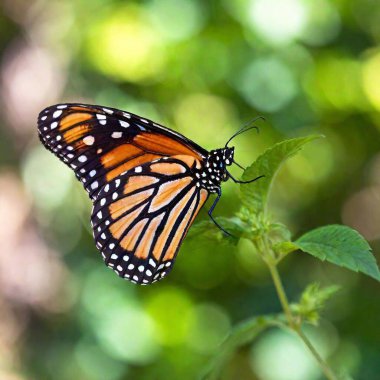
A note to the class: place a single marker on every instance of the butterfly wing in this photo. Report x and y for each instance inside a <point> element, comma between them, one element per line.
<point>141,217</point>
<point>100,143</point>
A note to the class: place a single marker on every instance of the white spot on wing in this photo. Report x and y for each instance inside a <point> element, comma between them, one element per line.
<point>89,140</point>
<point>57,114</point>
<point>123,123</point>
<point>117,135</point>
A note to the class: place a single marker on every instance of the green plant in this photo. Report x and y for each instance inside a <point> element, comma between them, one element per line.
<point>272,241</point>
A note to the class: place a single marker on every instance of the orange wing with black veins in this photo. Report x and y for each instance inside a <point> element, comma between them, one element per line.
<point>142,216</point>
<point>100,143</point>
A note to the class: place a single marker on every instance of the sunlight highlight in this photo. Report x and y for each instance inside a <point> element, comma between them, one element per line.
<point>278,21</point>
<point>125,47</point>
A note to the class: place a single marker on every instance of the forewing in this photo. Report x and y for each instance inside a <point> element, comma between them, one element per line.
<point>141,218</point>
<point>100,143</point>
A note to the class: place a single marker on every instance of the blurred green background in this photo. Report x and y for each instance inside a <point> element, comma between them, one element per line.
<point>203,68</point>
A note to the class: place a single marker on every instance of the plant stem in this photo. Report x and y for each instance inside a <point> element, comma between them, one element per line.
<point>281,294</point>
<point>295,326</point>
<point>322,364</point>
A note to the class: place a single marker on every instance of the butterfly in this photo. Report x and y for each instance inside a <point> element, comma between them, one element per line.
<point>147,182</point>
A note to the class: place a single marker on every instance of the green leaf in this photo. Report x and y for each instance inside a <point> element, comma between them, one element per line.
<point>342,246</point>
<point>254,195</point>
<point>284,248</point>
<point>279,232</point>
<point>207,229</point>
<point>313,300</point>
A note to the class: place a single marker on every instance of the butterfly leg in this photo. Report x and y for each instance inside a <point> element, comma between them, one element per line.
<point>212,209</point>
<point>252,180</point>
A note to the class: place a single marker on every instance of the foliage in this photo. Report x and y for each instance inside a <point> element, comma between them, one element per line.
<point>255,195</point>
<point>312,301</point>
<point>342,246</point>
<point>337,244</point>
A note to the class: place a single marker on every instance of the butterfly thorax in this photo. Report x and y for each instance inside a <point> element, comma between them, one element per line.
<point>214,170</point>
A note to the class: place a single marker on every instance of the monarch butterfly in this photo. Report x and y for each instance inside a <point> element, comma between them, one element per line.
<point>147,182</point>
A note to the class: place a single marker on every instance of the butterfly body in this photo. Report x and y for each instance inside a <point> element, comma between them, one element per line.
<point>214,171</point>
<point>147,182</point>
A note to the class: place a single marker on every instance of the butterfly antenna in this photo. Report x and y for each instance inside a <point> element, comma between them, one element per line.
<point>241,167</point>
<point>248,126</point>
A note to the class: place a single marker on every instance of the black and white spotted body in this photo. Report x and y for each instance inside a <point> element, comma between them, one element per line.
<point>214,171</point>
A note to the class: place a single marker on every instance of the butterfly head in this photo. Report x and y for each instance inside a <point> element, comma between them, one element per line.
<point>216,164</point>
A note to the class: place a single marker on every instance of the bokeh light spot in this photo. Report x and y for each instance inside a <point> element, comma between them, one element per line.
<point>323,23</point>
<point>173,314</point>
<point>125,46</point>
<point>210,327</point>
<point>336,83</point>
<point>176,19</point>
<point>127,333</point>
<point>278,21</point>
<point>31,76</point>
<point>267,84</point>
<point>313,164</point>
<point>362,212</point>
<point>96,364</point>
<point>124,330</point>
<point>50,185</point>
<point>292,361</point>
<point>371,80</point>
<point>210,113</point>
